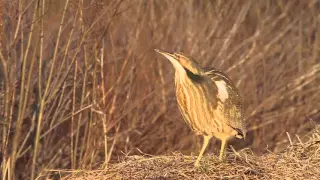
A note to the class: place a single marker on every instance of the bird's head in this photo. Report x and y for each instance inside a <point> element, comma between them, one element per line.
<point>183,64</point>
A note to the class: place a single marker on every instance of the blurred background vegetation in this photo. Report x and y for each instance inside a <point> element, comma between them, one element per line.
<point>81,86</point>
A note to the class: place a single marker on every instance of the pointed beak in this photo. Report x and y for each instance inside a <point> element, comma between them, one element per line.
<point>174,59</point>
<point>168,55</point>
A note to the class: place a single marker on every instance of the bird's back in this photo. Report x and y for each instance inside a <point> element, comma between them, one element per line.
<point>231,102</point>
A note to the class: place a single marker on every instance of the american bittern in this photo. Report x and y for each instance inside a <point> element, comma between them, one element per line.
<point>208,101</point>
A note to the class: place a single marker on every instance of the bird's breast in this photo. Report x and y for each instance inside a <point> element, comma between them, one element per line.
<point>207,108</point>
<point>198,105</point>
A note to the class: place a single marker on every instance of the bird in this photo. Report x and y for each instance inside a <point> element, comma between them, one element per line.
<point>208,101</point>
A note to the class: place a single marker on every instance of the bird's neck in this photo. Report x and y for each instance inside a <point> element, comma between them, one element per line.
<point>181,77</point>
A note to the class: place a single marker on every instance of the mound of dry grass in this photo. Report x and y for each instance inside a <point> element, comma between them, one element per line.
<point>300,160</point>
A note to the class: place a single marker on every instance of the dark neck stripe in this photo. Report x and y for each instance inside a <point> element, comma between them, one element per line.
<point>193,77</point>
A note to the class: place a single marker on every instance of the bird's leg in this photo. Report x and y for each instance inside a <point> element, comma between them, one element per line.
<point>223,149</point>
<point>206,140</point>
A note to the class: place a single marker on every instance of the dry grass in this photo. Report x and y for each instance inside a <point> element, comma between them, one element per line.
<point>80,84</point>
<point>299,161</point>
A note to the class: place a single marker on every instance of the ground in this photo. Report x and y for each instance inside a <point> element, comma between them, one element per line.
<point>301,160</point>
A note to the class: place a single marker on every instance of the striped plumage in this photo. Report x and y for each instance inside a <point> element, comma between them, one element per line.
<point>208,101</point>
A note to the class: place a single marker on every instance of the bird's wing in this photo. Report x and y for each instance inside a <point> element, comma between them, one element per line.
<point>232,104</point>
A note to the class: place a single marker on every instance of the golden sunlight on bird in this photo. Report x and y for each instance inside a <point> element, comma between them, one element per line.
<point>208,101</point>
